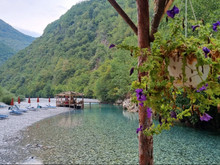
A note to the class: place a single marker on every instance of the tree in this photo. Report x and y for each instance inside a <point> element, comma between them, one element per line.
<point>144,39</point>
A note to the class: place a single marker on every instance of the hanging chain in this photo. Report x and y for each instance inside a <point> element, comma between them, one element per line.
<point>181,5</point>
<point>191,7</point>
<point>192,10</point>
<point>186,19</point>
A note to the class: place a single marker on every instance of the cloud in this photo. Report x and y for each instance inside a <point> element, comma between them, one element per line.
<point>33,15</point>
<point>62,7</point>
<point>28,32</point>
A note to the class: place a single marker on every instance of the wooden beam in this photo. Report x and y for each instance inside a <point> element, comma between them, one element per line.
<point>168,4</point>
<point>161,8</point>
<point>124,16</point>
<point>83,102</point>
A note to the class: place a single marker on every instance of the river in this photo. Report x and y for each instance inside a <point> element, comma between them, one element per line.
<point>106,134</point>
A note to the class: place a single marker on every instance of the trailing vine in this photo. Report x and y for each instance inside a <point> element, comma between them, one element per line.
<point>199,54</point>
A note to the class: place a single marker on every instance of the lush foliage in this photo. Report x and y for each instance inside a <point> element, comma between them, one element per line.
<point>5,53</point>
<point>159,89</point>
<point>73,53</point>
<point>11,41</point>
<point>183,102</point>
<point>6,96</point>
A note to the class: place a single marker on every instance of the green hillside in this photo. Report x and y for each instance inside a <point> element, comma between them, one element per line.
<point>73,53</point>
<point>11,41</point>
<point>5,52</point>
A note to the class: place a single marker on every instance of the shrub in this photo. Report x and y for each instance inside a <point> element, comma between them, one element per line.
<point>22,97</point>
<point>7,99</point>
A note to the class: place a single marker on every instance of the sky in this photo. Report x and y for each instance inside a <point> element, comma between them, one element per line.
<point>32,16</point>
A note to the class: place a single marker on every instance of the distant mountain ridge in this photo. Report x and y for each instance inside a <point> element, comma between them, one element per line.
<point>73,54</point>
<point>11,41</point>
<point>28,32</point>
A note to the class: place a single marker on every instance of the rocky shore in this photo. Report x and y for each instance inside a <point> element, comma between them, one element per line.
<point>11,126</point>
<point>131,107</point>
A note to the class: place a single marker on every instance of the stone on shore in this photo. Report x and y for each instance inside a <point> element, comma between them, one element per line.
<point>131,107</point>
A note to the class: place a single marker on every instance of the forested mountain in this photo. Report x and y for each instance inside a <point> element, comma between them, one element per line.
<point>11,41</point>
<point>73,52</point>
<point>5,52</point>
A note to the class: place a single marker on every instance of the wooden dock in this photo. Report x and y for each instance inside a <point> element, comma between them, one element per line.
<point>70,99</point>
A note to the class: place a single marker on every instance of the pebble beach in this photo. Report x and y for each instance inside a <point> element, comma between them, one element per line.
<point>97,135</point>
<point>11,126</point>
<point>14,123</point>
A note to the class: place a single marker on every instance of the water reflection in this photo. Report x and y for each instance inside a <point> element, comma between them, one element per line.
<point>107,135</point>
<point>70,120</point>
<point>93,135</point>
<point>130,116</point>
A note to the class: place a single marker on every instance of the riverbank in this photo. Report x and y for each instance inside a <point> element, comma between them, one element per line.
<point>11,126</point>
<point>14,123</point>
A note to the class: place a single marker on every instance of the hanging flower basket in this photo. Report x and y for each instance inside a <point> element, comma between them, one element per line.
<point>178,64</point>
<point>193,79</point>
<point>183,64</point>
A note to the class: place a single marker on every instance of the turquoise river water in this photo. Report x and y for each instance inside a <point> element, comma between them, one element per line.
<point>107,135</point>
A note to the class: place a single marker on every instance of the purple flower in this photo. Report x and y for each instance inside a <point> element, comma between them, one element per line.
<point>203,88</point>
<point>173,114</point>
<point>160,120</point>
<point>111,46</point>
<point>194,27</point>
<point>139,90</point>
<point>171,13</point>
<point>141,104</point>
<point>205,117</point>
<point>139,129</point>
<point>131,71</point>
<point>140,95</point>
<point>206,51</point>
<point>149,112</point>
<point>142,98</point>
<point>219,77</point>
<point>166,121</point>
<point>215,26</point>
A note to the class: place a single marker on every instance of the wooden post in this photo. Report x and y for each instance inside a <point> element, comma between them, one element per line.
<point>82,101</point>
<point>144,39</point>
<point>74,102</point>
<point>145,142</point>
<point>61,103</point>
<point>123,15</point>
<point>56,101</point>
<point>69,99</point>
<point>186,18</point>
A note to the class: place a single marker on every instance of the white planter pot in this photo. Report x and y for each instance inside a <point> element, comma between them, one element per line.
<point>175,70</point>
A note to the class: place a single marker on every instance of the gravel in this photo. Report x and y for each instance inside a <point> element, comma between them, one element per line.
<point>13,124</point>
